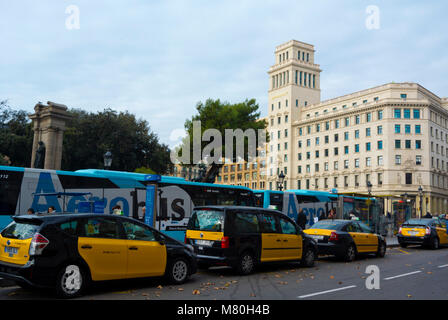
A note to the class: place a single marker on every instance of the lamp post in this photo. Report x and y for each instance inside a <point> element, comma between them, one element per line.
<point>369,190</point>
<point>420,193</point>
<point>281,179</point>
<point>107,157</point>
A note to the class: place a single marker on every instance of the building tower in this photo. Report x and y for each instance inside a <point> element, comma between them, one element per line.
<point>294,84</point>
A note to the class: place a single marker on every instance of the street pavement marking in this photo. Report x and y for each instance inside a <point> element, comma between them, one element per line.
<point>404,251</point>
<point>324,292</point>
<point>443,266</point>
<point>402,275</point>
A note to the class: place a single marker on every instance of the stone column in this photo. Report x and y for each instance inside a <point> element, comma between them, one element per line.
<point>49,126</point>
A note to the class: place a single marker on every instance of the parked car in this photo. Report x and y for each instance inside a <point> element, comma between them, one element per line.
<point>427,232</point>
<point>243,237</point>
<point>346,238</point>
<point>68,252</point>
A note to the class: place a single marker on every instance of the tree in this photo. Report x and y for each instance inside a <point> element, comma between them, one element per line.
<point>219,116</point>
<point>16,135</point>
<point>132,144</point>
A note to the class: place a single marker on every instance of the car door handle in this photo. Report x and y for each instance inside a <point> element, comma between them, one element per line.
<point>285,240</point>
<point>133,248</point>
<point>86,246</point>
<point>278,240</point>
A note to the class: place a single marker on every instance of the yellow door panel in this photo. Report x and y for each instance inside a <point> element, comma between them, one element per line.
<point>271,247</point>
<point>106,258</point>
<point>145,258</point>
<point>206,235</point>
<point>292,246</point>
<point>443,237</point>
<point>14,250</point>
<point>372,240</point>
<point>360,240</point>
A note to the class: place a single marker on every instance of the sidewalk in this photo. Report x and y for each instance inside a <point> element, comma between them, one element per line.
<point>392,242</point>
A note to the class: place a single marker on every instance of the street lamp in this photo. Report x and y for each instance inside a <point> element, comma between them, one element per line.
<point>369,190</point>
<point>107,160</point>
<point>420,193</point>
<point>281,179</point>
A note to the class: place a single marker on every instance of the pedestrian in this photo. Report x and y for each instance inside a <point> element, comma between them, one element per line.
<point>30,211</point>
<point>51,209</point>
<point>117,210</point>
<point>332,214</point>
<point>301,219</point>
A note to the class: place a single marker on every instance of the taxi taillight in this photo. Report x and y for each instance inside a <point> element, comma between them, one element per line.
<point>224,242</point>
<point>38,244</point>
<point>333,237</point>
<point>428,230</point>
<point>399,230</point>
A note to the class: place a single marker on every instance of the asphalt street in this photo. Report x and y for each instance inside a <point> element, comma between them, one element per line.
<point>411,273</point>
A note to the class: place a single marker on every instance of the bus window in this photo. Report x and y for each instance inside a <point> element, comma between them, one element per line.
<point>276,201</point>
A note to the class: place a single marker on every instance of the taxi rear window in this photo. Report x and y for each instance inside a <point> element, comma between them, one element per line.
<point>417,222</point>
<point>327,224</point>
<point>20,231</point>
<point>207,220</point>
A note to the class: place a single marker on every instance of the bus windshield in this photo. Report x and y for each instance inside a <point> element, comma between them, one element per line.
<point>207,220</point>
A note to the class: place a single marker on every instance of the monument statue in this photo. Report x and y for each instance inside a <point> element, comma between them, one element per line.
<point>39,161</point>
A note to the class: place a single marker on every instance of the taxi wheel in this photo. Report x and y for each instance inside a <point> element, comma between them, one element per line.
<point>71,281</point>
<point>177,272</point>
<point>435,243</point>
<point>381,250</point>
<point>350,254</point>
<point>246,263</point>
<point>308,258</point>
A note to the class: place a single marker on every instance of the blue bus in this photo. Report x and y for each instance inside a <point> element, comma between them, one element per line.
<point>317,204</point>
<point>23,188</point>
<point>314,204</point>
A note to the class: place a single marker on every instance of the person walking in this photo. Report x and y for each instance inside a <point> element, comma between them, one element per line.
<point>301,219</point>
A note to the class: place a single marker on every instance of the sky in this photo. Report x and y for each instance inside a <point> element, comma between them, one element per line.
<point>158,59</point>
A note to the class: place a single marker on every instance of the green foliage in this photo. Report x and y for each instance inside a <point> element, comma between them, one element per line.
<point>132,144</point>
<point>218,115</point>
<point>145,170</point>
<point>16,135</point>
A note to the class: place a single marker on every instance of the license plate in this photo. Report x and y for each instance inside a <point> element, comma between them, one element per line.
<point>11,250</point>
<point>317,237</point>
<point>413,233</point>
<point>204,243</point>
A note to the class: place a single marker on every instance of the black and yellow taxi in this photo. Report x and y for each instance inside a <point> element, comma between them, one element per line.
<point>346,239</point>
<point>427,232</point>
<point>70,251</point>
<point>242,237</point>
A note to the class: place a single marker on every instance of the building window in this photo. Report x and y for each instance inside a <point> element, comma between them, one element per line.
<point>407,144</point>
<point>380,145</point>
<point>418,129</point>
<point>335,165</point>
<point>397,128</point>
<point>347,121</point>
<point>369,117</point>
<point>380,114</point>
<point>379,130</point>
<point>357,119</point>
<point>367,132</point>
<point>408,178</point>
<point>368,162</point>
<point>368,147</point>
<point>356,134</point>
<point>356,163</point>
<point>380,160</point>
<point>398,159</point>
<point>397,113</point>
<point>418,144</point>
<point>407,113</point>
<point>397,144</point>
<point>346,135</point>
<point>380,179</point>
<point>403,96</point>
<point>416,113</point>
<point>418,160</point>
<point>336,151</point>
<point>356,147</point>
<point>345,164</point>
<point>356,181</point>
<point>407,128</point>
<point>346,181</point>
